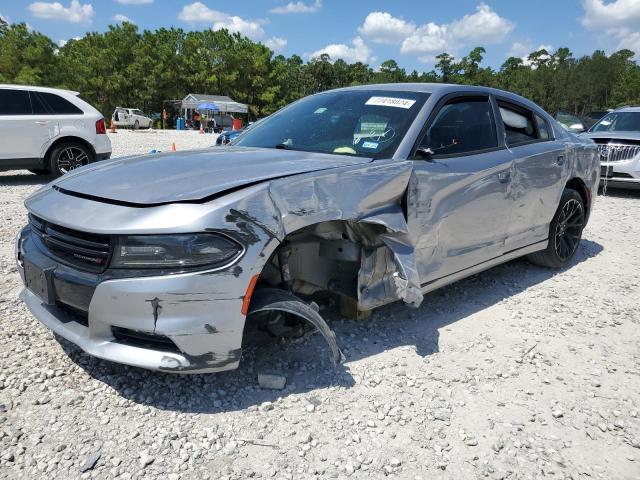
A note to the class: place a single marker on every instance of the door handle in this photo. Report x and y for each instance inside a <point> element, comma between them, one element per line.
<point>504,177</point>
<point>560,160</point>
<point>42,122</point>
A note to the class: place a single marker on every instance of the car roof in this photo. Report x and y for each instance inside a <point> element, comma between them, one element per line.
<point>441,89</point>
<point>35,88</point>
<point>631,108</point>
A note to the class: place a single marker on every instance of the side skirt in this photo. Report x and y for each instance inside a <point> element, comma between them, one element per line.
<point>454,277</point>
<point>21,163</point>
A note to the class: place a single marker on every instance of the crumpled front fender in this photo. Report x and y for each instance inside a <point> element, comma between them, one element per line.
<point>275,300</point>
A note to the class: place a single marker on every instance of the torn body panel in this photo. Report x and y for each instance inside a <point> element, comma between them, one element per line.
<point>369,215</point>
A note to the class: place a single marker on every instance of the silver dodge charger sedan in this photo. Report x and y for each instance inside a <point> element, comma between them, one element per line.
<point>373,194</point>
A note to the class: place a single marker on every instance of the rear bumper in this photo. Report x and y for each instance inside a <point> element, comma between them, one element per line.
<point>102,145</point>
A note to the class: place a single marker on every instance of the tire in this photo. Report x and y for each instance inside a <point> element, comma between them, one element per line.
<point>136,125</point>
<point>39,171</point>
<point>69,156</point>
<point>565,232</point>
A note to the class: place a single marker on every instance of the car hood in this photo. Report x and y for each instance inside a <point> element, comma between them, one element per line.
<point>613,135</point>
<point>191,176</point>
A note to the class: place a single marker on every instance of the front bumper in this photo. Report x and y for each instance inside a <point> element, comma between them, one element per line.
<point>623,174</point>
<point>183,323</point>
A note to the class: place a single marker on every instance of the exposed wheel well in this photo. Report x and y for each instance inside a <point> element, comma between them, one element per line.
<point>47,156</point>
<point>323,257</point>
<point>578,185</point>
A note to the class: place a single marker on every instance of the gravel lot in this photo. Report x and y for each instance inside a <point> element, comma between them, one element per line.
<point>516,373</point>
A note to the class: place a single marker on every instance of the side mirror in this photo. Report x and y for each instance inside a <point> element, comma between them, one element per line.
<point>424,153</point>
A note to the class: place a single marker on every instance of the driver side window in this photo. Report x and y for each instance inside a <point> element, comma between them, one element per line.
<point>462,126</point>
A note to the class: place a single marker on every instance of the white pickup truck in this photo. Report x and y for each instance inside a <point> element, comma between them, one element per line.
<point>130,118</point>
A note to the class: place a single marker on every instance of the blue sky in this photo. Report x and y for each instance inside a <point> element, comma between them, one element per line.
<point>410,31</point>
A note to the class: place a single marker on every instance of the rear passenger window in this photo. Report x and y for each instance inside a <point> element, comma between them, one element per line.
<point>518,125</point>
<point>14,102</point>
<point>52,104</point>
<point>462,126</point>
<point>543,128</point>
<point>39,107</point>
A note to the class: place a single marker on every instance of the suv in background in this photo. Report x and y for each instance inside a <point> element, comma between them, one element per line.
<point>618,137</point>
<point>130,118</point>
<point>47,130</point>
<point>591,118</point>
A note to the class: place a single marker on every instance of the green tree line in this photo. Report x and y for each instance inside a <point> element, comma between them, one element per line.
<point>126,67</point>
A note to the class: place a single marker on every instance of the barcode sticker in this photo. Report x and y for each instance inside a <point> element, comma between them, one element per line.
<point>391,102</point>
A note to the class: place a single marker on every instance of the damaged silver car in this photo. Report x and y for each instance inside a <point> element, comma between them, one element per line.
<point>374,194</point>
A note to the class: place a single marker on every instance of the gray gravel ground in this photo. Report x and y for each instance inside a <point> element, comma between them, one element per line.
<point>516,373</point>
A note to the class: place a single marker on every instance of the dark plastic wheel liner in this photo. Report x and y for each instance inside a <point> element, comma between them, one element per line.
<point>275,300</point>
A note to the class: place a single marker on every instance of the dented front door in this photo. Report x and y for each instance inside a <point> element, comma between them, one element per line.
<point>458,211</point>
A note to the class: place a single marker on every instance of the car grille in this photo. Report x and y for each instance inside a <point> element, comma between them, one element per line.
<point>86,251</point>
<point>617,152</point>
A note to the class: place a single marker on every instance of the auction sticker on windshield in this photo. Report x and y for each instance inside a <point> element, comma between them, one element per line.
<point>391,102</point>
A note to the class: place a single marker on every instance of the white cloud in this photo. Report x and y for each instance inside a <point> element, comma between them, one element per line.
<point>198,12</point>
<point>4,18</point>
<point>520,49</point>
<point>249,28</point>
<point>630,40</point>
<point>382,27</point>
<point>523,49</point>
<point>484,26</point>
<point>75,13</point>
<point>122,18</point>
<point>619,19</point>
<point>525,54</point>
<point>359,52</point>
<point>598,14</point>
<point>298,7</point>
<point>276,43</point>
<point>428,38</point>
<point>62,43</point>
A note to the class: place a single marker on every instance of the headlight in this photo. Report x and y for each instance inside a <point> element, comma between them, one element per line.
<point>174,251</point>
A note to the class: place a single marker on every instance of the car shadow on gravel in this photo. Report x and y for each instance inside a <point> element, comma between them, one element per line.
<point>306,363</point>
<point>23,179</point>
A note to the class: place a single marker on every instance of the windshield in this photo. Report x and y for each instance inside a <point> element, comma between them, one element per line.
<point>368,123</point>
<point>618,121</point>
<point>137,112</point>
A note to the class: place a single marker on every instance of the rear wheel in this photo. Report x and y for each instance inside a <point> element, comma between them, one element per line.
<point>565,232</point>
<point>68,156</point>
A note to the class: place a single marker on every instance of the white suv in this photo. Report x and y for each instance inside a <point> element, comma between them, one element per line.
<point>47,130</point>
<point>131,118</point>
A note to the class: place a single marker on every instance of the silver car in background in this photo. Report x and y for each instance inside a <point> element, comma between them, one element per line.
<point>618,137</point>
<point>375,194</point>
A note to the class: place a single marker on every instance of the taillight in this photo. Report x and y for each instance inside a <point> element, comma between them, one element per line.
<point>101,128</point>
